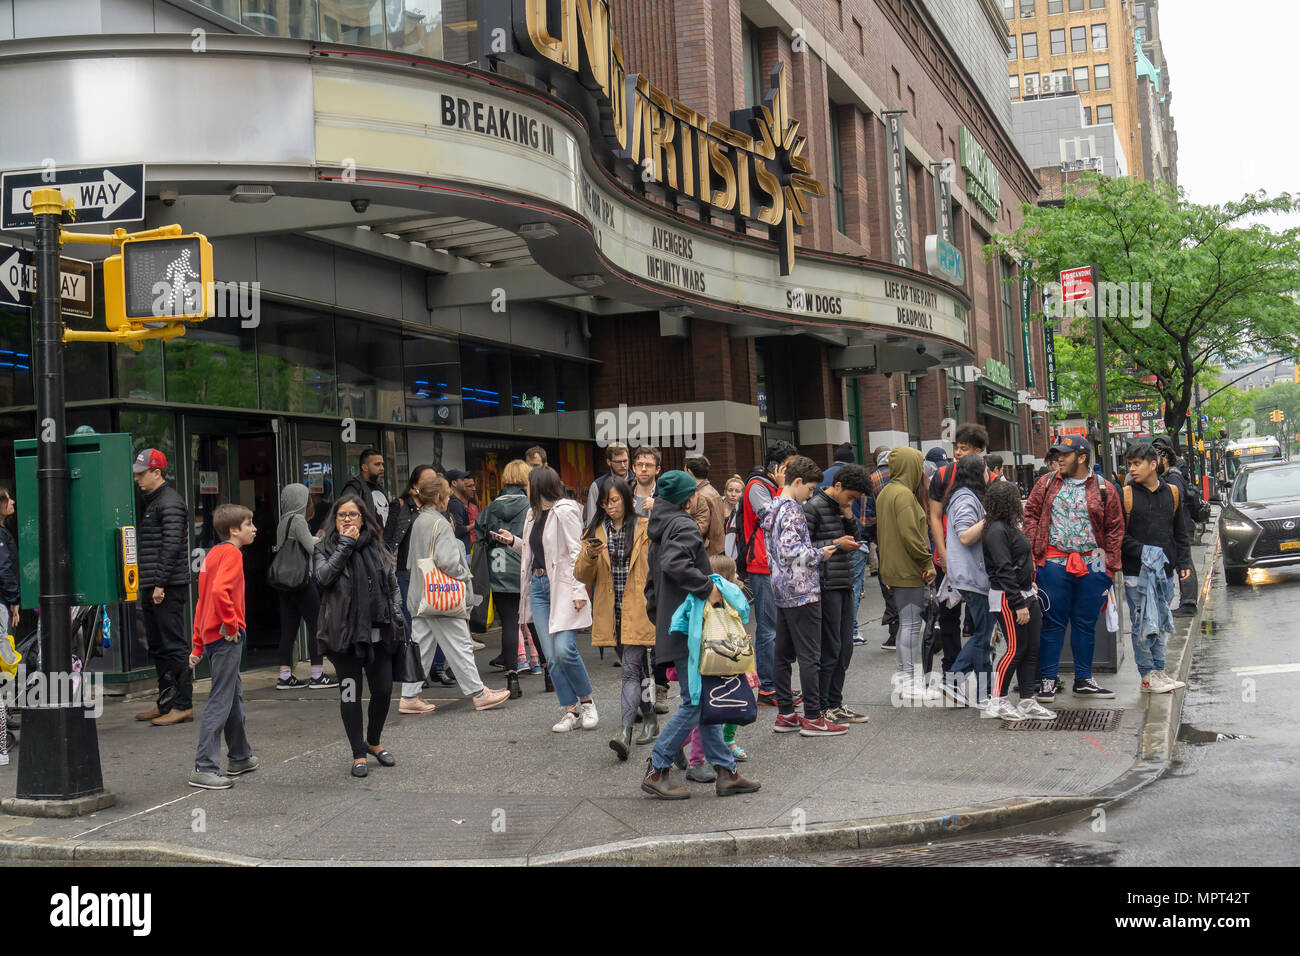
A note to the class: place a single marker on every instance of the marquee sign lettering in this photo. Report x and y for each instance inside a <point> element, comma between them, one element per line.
<point>753,169</point>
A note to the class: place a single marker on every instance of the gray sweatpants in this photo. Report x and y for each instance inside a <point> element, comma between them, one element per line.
<point>225,710</point>
<point>911,604</point>
<point>452,635</point>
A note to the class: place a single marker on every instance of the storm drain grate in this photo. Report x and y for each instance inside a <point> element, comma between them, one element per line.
<point>1095,721</point>
<point>1051,852</point>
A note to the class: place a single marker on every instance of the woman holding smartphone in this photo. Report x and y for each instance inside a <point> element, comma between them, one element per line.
<point>614,563</point>
<point>550,596</point>
<point>508,510</point>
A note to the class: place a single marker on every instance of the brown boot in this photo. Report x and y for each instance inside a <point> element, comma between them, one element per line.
<point>657,784</point>
<point>730,781</point>
<point>151,714</point>
<point>174,717</point>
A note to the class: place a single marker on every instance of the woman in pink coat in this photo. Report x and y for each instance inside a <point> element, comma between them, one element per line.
<point>550,596</point>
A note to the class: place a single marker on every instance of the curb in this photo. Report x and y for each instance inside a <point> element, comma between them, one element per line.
<point>1155,751</point>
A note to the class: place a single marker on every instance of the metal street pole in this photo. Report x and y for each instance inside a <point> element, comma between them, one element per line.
<point>58,761</point>
<point>1104,452</point>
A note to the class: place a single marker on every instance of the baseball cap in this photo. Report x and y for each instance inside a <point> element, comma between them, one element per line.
<point>937,455</point>
<point>455,474</point>
<point>149,458</point>
<point>1071,443</point>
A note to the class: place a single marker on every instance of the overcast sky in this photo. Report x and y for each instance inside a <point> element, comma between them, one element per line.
<point>1235,71</point>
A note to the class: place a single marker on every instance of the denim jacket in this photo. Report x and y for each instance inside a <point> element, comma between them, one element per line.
<point>1157,588</point>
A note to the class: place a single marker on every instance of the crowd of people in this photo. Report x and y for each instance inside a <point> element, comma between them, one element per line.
<point>979,588</point>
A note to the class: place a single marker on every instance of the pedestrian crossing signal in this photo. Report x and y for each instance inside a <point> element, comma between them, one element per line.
<point>154,282</point>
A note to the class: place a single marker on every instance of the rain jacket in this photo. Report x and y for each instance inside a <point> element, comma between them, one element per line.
<point>902,533</point>
<point>507,510</point>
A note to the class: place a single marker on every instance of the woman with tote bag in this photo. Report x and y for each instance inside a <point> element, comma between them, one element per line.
<point>437,562</point>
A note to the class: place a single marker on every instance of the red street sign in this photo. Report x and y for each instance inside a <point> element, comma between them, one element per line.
<point>1076,284</point>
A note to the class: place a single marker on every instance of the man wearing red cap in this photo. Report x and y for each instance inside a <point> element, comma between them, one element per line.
<point>164,579</point>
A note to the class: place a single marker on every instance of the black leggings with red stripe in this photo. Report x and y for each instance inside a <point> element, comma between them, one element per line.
<point>1021,657</point>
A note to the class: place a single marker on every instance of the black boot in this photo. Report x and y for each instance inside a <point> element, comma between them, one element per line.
<point>512,685</point>
<point>550,687</point>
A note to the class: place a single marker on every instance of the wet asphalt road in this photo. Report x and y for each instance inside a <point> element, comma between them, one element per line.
<point>1229,796</point>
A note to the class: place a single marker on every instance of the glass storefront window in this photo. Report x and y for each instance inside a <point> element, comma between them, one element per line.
<point>432,380</point>
<point>151,430</point>
<point>359,22</point>
<point>573,400</point>
<point>140,374</point>
<point>370,370</point>
<point>15,357</point>
<point>85,371</point>
<point>282,18</point>
<point>214,363</point>
<point>532,393</point>
<point>415,26</point>
<point>485,386</point>
<point>296,361</point>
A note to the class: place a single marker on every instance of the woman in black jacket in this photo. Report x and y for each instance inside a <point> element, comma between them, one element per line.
<point>360,621</point>
<point>1009,562</point>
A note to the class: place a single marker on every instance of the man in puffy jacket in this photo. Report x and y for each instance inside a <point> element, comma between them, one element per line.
<point>162,539</point>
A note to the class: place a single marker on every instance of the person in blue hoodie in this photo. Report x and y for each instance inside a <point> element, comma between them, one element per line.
<point>679,568</point>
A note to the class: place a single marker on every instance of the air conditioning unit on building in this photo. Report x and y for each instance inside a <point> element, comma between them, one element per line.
<point>1031,84</point>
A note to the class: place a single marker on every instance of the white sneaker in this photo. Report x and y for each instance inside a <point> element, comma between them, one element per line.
<point>1033,710</point>
<point>1173,684</point>
<point>570,721</point>
<point>476,644</point>
<point>1157,683</point>
<point>589,716</point>
<point>1001,707</point>
<point>954,693</point>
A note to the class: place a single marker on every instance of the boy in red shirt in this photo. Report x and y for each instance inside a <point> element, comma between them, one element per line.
<point>218,630</point>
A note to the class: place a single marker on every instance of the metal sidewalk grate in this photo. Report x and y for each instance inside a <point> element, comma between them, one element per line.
<point>1086,719</point>
<point>1014,849</point>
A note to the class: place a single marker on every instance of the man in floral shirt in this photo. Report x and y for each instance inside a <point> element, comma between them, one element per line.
<point>1075,525</point>
<point>797,591</point>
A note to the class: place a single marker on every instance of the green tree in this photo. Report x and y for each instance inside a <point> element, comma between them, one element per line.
<point>1213,284</point>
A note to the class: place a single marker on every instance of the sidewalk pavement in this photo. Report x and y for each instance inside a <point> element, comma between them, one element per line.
<point>499,786</point>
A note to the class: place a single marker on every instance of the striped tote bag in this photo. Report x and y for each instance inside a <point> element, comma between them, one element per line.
<point>440,595</point>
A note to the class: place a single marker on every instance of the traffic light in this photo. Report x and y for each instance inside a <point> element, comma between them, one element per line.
<point>157,281</point>
<point>1295,371</point>
<point>1275,415</point>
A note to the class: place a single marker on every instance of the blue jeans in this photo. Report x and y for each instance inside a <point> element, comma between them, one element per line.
<point>680,725</point>
<point>976,655</point>
<point>860,561</point>
<point>568,673</point>
<point>1073,600</point>
<point>1148,649</point>
<point>764,629</point>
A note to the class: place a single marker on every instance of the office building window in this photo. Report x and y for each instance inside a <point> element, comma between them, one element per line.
<point>1061,80</point>
<point>753,63</point>
<point>1101,74</point>
<point>1009,290</point>
<point>1081,79</point>
<point>837,167</point>
<point>1026,8</point>
<point>1099,36</point>
<point>1078,39</point>
<point>1057,38</point>
<point>1055,6</point>
<point>295,360</point>
<point>1009,9</point>
<point>1141,12</point>
<point>1076,6</point>
<point>1029,46</point>
<point>1015,86</point>
<point>1012,54</point>
<point>369,370</point>
<point>214,364</point>
<point>1103,113</point>
<point>1096,4</point>
<point>485,385</point>
<point>1087,116</point>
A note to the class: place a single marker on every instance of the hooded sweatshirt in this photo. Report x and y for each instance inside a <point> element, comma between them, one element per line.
<point>679,567</point>
<point>901,529</point>
<point>508,510</point>
<point>293,521</point>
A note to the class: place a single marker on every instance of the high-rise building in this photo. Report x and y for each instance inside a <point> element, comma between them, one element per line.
<point>1083,47</point>
<point>1156,122</point>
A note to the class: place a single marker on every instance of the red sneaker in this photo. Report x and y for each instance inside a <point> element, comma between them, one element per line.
<point>787,723</point>
<point>821,727</point>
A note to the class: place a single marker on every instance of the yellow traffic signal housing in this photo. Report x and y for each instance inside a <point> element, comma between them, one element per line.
<point>1275,415</point>
<point>163,280</point>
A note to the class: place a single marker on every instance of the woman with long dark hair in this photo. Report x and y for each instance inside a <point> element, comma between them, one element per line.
<point>360,621</point>
<point>507,510</point>
<point>963,521</point>
<point>1010,564</point>
<point>614,564</point>
<point>550,596</point>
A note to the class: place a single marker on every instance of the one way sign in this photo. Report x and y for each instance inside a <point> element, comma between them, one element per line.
<point>18,281</point>
<point>99,193</point>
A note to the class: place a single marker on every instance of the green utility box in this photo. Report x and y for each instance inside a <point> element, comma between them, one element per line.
<point>101,504</point>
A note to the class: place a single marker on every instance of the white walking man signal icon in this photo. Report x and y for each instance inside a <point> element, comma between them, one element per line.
<point>184,295</point>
